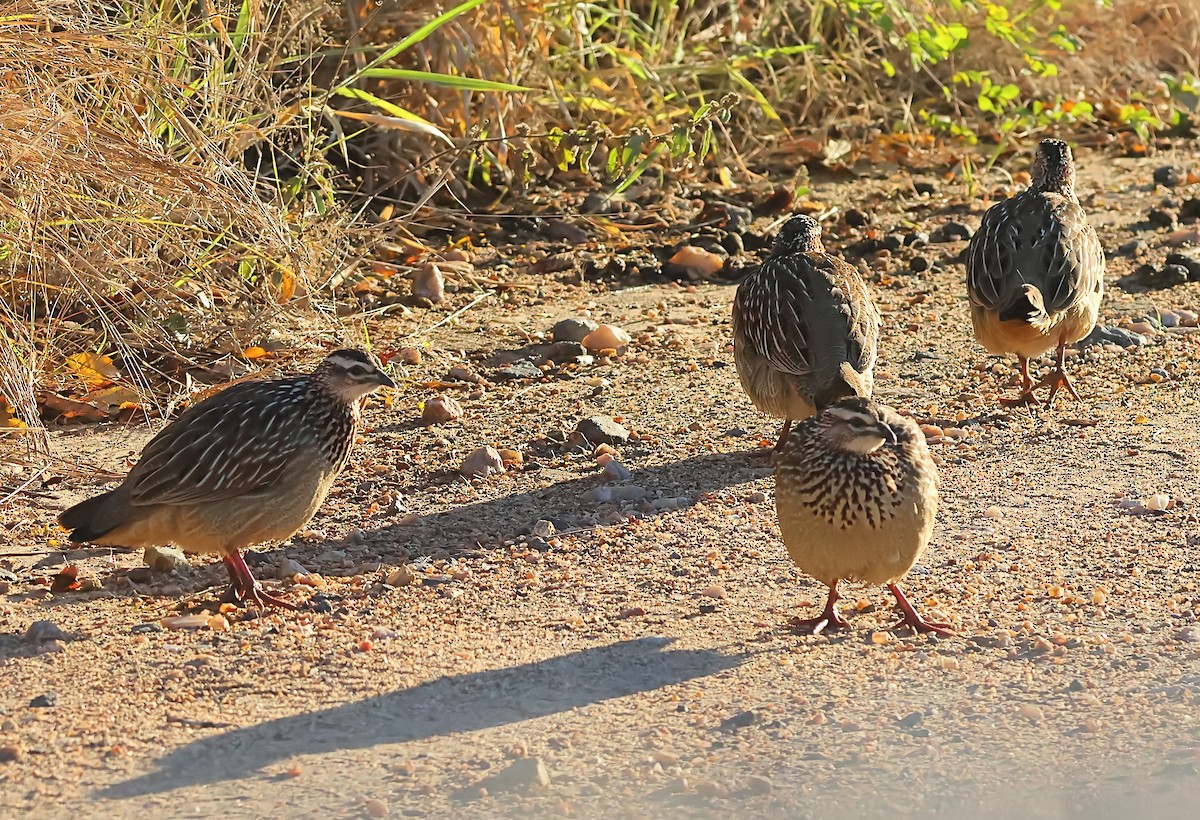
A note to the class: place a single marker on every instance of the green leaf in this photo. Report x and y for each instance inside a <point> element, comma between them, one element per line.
<point>888,68</point>
<point>433,78</point>
<point>398,117</point>
<point>754,93</point>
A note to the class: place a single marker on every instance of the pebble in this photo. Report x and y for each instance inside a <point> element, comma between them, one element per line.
<point>562,352</point>
<point>756,784</point>
<point>522,774</point>
<point>572,330</point>
<point>481,463</point>
<point>615,471</point>
<point>520,369</point>
<point>606,337</point>
<point>697,262</point>
<point>1169,176</point>
<point>441,409</point>
<point>950,232</point>
<point>543,528</point>
<point>758,497</point>
<point>166,559</point>
<point>710,788</point>
<point>994,512</point>
<point>376,808</point>
<point>429,283</point>
<point>10,753</point>
<point>408,355</point>
<point>218,623</point>
<point>602,430</point>
<point>856,218</point>
<point>400,577</point>
<point>918,264</point>
<point>631,612</point>
<point>607,495</point>
<point>1031,712</point>
<point>43,631</point>
<point>289,568</point>
<point>194,621</point>
<point>1112,335</point>
<point>46,701</point>
<point>714,592</point>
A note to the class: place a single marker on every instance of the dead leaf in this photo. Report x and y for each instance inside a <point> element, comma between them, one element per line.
<point>255,352</point>
<point>97,370</point>
<point>8,421</point>
<point>109,399</point>
<point>71,410</point>
<point>286,285</point>
<point>66,580</point>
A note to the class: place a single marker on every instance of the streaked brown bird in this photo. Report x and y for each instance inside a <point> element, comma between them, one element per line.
<point>856,494</point>
<point>1035,272</point>
<point>804,327</point>
<point>248,465</point>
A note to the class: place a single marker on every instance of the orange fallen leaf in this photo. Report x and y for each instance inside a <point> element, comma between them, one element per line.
<point>66,580</point>
<point>95,369</point>
<point>8,421</point>
<point>254,352</point>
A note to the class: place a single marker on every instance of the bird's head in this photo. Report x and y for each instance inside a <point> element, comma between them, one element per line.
<point>351,374</point>
<point>857,425</point>
<point>800,234</point>
<point>1053,167</point>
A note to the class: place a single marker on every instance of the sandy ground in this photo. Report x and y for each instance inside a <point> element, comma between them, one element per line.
<point>639,659</point>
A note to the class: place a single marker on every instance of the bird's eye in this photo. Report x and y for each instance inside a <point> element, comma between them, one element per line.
<point>358,370</point>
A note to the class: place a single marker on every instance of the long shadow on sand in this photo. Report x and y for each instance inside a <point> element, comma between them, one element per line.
<point>462,703</point>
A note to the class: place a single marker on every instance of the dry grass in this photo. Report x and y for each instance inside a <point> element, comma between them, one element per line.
<point>164,165</point>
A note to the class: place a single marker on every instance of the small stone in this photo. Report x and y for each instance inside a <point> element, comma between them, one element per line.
<point>46,701</point>
<point>758,497</point>
<point>714,592</point>
<point>289,568</point>
<point>615,471</point>
<point>376,808</point>
<point>918,264</point>
<point>194,621</point>
<point>1114,335</point>
<point>400,577</point>
<point>166,559</point>
<point>606,337</point>
<point>429,283</point>
<point>756,784</point>
<point>482,463</point>
<point>543,529</point>
<point>1031,712</point>
<point>218,623</point>
<point>408,355</point>
<point>1188,634</point>
<point>710,788</point>
<point>602,430</point>
<point>739,721</point>
<point>522,774</point>
<point>631,612</point>
<point>562,352</point>
<point>1131,248</point>
<point>572,330</point>
<point>10,753</point>
<point>440,410</point>
<point>697,262</point>
<point>950,232</point>
<point>856,218</point>
<point>1162,218</point>
<point>1169,176</point>
<point>519,370</point>
<point>43,631</point>
<point>52,648</point>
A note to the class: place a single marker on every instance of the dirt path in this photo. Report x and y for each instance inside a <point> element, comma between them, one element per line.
<point>641,654</point>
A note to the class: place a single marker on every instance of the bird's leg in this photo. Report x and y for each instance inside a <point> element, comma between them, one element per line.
<point>245,587</point>
<point>1027,387</point>
<point>829,619</point>
<point>1057,377</point>
<point>912,618</point>
<point>783,435</point>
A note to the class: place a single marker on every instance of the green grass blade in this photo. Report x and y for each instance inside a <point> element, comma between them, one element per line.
<point>450,80</point>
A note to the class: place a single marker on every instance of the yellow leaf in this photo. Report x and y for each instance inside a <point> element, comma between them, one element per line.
<point>254,352</point>
<point>7,420</point>
<point>110,399</point>
<point>287,285</point>
<point>96,370</point>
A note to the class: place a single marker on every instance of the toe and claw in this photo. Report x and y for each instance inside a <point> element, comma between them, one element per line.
<point>830,620</point>
<point>1056,379</point>
<point>246,588</point>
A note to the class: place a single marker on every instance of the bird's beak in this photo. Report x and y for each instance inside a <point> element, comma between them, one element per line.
<point>886,433</point>
<point>383,379</point>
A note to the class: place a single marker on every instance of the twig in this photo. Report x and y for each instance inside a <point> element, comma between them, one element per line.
<point>28,481</point>
<point>454,315</point>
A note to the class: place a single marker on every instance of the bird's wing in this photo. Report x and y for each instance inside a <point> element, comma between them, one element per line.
<point>992,281</point>
<point>1072,260</point>
<point>240,440</point>
<point>852,297</point>
<point>772,307</point>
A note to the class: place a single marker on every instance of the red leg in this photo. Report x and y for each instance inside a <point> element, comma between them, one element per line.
<point>783,435</point>
<point>828,619</point>
<point>245,588</point>
<point>912,618</point>
<point>1027,388</point>
<point>1057,377</point>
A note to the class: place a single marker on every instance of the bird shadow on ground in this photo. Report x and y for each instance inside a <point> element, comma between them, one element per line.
<point>459,703</point>
<point>565,503</point>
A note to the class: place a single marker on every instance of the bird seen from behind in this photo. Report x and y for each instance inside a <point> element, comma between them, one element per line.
<point>1035,272</point>
<point>805,329</point>
<point>856,494</point>
<point>248,465</point>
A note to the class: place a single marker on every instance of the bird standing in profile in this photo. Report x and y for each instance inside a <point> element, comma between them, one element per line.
<point>804,328</point>
<point>248,465</point>
<point>856,494</point>
<point>1035,272</point>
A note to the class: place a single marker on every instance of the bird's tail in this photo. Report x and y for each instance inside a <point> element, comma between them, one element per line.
<point>849,382</point>
<point>89,520</point>
<point>1029,308</point>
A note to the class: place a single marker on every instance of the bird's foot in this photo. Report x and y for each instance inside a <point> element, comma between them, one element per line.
<point>912,619</point>
<point>825,622</point>
<point>245,588</point>
<point>1057,379</point>
<point>1024,400</point>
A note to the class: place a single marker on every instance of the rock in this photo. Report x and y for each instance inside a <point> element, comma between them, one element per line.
<point>481,463</point>
<point>408,355</point>
<point>918,264</point>
<point>523,774</point>
<point>950,232</point>
<point>758,497</point>
<point>756,784</point>
<point>856,218</point>
<point>429,283</point>
<point>615,471</point>
<point>609,495</point>
<point>400,577</point>
<point>607,337</point>
<point>572,330</point>
<point>43,631</point>
<point>1189,212</point>
<point>1162,218</point>
<point>520,369</point>
<point>1169,176</point>
<point>289,568</point>
<point>376,808</point>
<point>924,188</point>
<point>1132,248</point>
<point>440,410</point>
<point>564,351</point>
<point>1189,262</point>
<point>602,430</point>
<point>916,239</point>
<point>697,262</point>
<point>166,559</point>
<point>1112,335</point>
<point>7,576</point>
<point>543,529</point>
<point>10,753</point>
<point>739,721</point>
<point>46,701</point>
